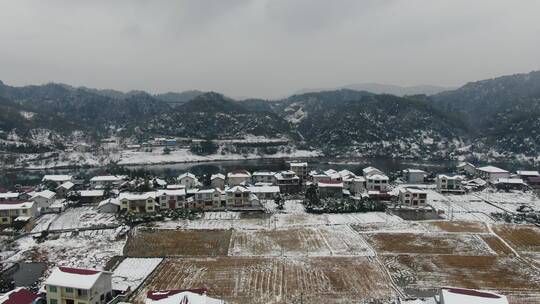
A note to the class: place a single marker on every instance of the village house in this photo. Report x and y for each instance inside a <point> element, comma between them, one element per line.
<point>104,181</point>
<point>64,189</point>
<point>534,183</point>
<point>377,182</point>
<point>264,177</point>
<point>450,295</point>
<point>13,196</point>
<point>525,175</point>
<point>217,180</point>
<point>90,197</point>
<point>288,182</point>
<point>110,205</point>
<point>368,171</point>
<point>355,185</point>
<point>188,180</point>
<point>58,206</point>
<point>138,202</point>
<point>491,173</point>
<point>238,197</point>
<point>315,177</point>
<point>208,199</point>
<point>414,176</point>
<point>466,168</point>
<point>449,183</point>
<point>11,211</point>
<point>238,177</point>
<point>474,184</point>
<point>56,180</point>
<point>264,192</point>
<point>77,286</point>
<point>510,184</point>
<point>43,199</point>
<point>333,175</point>
<point>412,197</point>
<point>301,169</point>
<point>330,189</point>
<point>171,199</point>
<point>19,295</point>
<point>189,296</point>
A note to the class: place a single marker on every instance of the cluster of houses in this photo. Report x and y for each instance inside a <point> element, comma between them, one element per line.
<point>242,190</point>
<point>66,285</point>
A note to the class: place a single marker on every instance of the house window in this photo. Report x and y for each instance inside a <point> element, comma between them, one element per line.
<point>52,288</point>
<point>69,290</point>
<point>82,292</point>
<point>53,301</point>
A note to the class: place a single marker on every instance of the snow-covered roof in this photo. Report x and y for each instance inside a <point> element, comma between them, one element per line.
<point>178,192</point>
<point>107,178</point>
<point>176,186</point>
<point>59,203</point>
<point>264,189</point>
<point>56,178</point>
<point>73,277</point>
<point>492,169</point>
<point>528,173</point>
<point>111,200</point>
<point>66,185</point>
<point>412,190</point>
<point>160,182</point>
<point>9,195</point>
<point>188,175</point>
<point>19,295</point>
<point>414,171</point>
<point>180,296</point>
<point>451,177</point>
<point>15,205</point>
<point>91,193</point>
<point>237,189</point>
<point>463,164</point>
<point>218,175</point>
<point>378,177</point>
<point>370,171</point>
<point>470,296</point>
<point>477,181</point>
<point>345,172</point>
<point>243,174</point>
<point>48,194</point>
<point>136,196</point>
<point>299,164</point>
<point>329,184</point>
<point>359,179</point>
<point>515,181</point>
<point>263,173</point>
<point>212,190</point>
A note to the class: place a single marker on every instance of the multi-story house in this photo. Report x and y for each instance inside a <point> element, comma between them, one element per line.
<point>238,197</point>
<point>188,180</point>
<point>217,181</point>
<point>330,188</point>
<point>301,169</point>
<point>208,199</point>
<point>414,176</point>
<point>78,286</point>
<point>56,180</point>
<point>288,182</point>
<point>491,173</point>
<point>450,183</point>
<point>371,171</point>
<point>137,202</point>
<point>238,177</point>
<point>412,197</point>
<point>264,177</point>
<point>11,210</point>
<point>171,198</point>
<point>43,199</point>
<point>100,182</point>
<point>265,192</point>
<point>377,182</point>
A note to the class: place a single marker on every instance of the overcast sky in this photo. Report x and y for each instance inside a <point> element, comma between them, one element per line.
<point>265,48</point>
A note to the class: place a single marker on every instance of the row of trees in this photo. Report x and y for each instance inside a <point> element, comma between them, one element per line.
<point>314,204</point>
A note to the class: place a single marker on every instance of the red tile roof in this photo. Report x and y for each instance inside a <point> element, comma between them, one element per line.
<point>163,294</point>
<point>20,296</point>
<point>78,271</point>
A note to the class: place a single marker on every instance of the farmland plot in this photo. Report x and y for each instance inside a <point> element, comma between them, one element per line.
<point>429,243</point>
<point>292,241</point>
<point>457,226</point>
<point>503,273</point>
<point>274,280</point>
<point>132,271</point>
<point>162,243</point>
<point>82,217</point>
<point>523,238</point>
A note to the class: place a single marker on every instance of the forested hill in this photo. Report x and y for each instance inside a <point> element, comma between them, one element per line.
<point>499,116</point>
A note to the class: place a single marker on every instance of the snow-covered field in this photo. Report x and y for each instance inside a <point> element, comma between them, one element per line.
<point>132,271</point>
<point>82,217</point>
